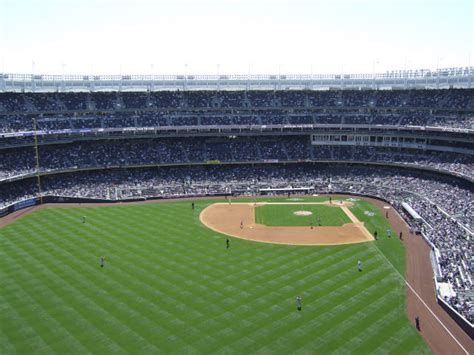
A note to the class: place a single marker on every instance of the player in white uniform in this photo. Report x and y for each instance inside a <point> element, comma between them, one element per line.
<point>102,261</point>
<point>298,303</point>
<point>359,265</point>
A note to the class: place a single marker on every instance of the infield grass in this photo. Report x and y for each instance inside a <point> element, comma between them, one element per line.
<point>170,285</point>
<point>284,215</point>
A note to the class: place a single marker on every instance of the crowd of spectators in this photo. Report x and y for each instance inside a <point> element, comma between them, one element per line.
<point>140,152</point>
<point>450,108</point>
<point>76,101</point>
<point>14,123</point>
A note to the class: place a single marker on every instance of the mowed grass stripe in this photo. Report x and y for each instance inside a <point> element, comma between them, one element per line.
<point>392,247</point>
<point>90,306</point>
<point>8,346</point>
<point>108,296</point>
<point>363,316</point>
<point>287,307</point>
<point>284,215</point>
<point>172,281</point>
<point>21,335</point>
<point>40,308</point>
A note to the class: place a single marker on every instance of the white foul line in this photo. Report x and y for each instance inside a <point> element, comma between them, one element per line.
<point>436,317</point>
<point>428,308</point>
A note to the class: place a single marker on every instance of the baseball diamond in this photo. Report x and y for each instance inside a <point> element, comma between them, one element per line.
<point>225,218</point>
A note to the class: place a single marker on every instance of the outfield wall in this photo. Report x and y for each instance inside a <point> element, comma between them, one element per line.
<point>4,211</point>
<point>458,318</point>
<point>77,200</point>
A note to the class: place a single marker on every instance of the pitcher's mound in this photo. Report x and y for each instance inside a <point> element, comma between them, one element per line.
<point>302,213</point>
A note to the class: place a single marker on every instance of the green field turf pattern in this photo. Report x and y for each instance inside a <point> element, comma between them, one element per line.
<point>170,285</point>
<point>283,215</point>
<point>391,246</point>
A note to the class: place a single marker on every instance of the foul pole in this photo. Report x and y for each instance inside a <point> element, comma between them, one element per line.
<point>38,177</point>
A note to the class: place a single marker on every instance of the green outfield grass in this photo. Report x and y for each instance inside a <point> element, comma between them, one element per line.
<point>283,215</point>
<point>170,285</point>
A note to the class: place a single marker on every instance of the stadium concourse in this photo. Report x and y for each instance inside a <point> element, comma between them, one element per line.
<point>409,147</point>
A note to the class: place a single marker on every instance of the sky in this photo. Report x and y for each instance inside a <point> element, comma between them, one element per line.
<point>233,36</point>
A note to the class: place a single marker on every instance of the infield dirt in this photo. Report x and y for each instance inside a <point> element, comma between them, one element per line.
<point>238,220</point>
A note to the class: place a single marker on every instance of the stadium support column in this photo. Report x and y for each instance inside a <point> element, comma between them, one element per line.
<point>63,86</point>
<point>405,74</point>
<point>33,84</point>
<point>185,77</point>
<point>279,76</point>
<point>373,74</point>
<point>374,63</point>
<point>342,77</point>
<point>469,73</point>
<point>248,79</point>
<point>437,71</point>
<point>38,177</point>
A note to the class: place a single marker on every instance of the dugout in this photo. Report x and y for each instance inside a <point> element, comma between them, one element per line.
<point>415,219</point>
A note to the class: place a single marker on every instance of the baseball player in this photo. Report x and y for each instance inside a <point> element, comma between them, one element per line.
<point>241,224</point>
<point>227,242</point>
<point>83,219</point>
<point>389,233</point>
<point>359,265</point>
<point>417,322</point>
<point>102,261</point>
<point>298,303</point>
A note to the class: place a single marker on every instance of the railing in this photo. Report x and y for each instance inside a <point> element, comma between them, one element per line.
<point>418,73</point>
<point>440,78</point>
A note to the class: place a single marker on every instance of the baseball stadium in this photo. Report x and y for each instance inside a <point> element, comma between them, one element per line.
<point>214,209</point>
<point>246,213</point>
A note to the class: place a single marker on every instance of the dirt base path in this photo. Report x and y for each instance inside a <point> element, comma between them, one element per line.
<point>238,220</point>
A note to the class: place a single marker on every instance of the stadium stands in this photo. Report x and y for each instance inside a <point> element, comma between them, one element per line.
<point>449,108</point>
